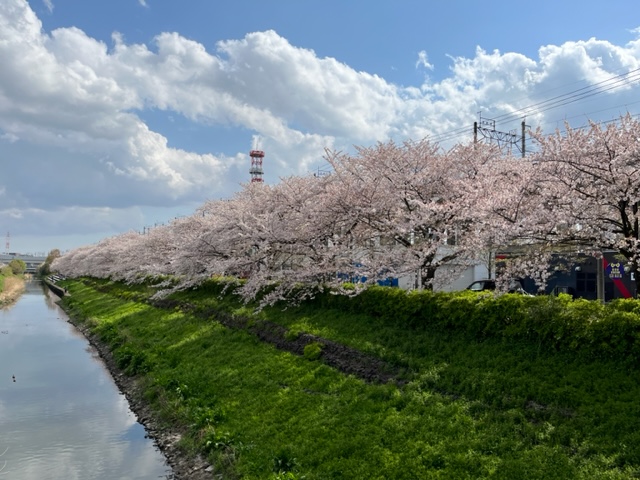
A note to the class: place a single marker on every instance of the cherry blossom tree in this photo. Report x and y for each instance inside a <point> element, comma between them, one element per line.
<point>578,193</point>
<point>411,202</point>
<point>508,216</point>
<point>278,236</point>
<point>589,183</point>
<point>389,210</point>
<point>396,209</point>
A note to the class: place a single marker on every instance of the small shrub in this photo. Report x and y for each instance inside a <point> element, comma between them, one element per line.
<point>292,334</point>
<point>109,333</point>
<point>206,416</point>
<point>313,351</point>
<point>284,476</point>
<point>284,462</point>
<point>129,360</point>
<point>218,441</point>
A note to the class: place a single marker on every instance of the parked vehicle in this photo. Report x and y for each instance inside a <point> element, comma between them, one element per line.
<point>481,285</point>
<point>490,284</point>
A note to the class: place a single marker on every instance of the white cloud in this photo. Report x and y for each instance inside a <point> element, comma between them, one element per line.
<point>72,108</point>
<point>72,220</point>
<point>423,61</point>
<point>49,5</point>
<point>143,3</point>
<point>9,137</point>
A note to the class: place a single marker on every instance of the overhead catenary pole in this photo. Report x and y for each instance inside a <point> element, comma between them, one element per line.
<point>523,138</point>
<point>505,140</point>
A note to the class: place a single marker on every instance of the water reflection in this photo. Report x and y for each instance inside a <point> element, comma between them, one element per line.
<point>63,417</point>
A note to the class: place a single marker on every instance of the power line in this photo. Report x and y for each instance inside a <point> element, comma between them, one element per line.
<point>573,96</point>
<point>626,105</point>
<point>606,122</point>
<point>576,95</point>
<point>449,135</point>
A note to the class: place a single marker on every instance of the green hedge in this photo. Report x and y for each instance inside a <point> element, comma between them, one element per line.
<point>589,328</point>
<point>558,323</point>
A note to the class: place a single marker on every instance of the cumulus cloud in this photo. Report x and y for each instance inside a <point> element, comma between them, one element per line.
<point>72,108</point>
<point>423,61</point>
<point>72,220</point>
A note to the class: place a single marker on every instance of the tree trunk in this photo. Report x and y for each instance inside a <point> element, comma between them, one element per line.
<point>428,274</point>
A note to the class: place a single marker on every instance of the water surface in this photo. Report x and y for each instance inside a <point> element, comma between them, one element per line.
<point>63,417</point>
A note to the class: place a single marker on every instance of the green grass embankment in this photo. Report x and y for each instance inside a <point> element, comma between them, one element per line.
<point>466,408</point>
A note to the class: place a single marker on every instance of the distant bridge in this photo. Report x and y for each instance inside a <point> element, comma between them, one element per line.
<point>32,261</point>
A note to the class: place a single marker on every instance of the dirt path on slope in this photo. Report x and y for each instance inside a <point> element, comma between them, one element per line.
<point>341,357</point>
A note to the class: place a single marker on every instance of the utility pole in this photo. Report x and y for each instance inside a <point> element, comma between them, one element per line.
<point>600,278</point>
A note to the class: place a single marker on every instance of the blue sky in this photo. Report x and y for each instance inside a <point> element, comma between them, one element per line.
<point>382,37</point>
<point>123,114</point>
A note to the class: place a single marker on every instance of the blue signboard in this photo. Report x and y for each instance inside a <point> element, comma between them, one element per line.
<point>615,270</point>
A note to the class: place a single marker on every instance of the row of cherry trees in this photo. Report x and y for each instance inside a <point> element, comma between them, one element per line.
<point>396,209</point>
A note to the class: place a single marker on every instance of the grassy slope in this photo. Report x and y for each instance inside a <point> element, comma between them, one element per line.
<point>12,288</point>
<point>470,410</point>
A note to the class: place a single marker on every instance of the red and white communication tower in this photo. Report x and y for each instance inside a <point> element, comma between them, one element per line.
<point>256,165</point>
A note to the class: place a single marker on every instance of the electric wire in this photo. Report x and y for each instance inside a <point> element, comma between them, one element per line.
<point>573,96</point>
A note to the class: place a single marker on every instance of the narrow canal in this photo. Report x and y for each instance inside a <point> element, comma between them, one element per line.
<point>61,414</point>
